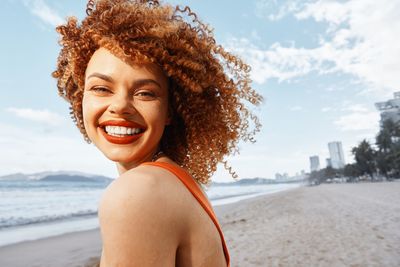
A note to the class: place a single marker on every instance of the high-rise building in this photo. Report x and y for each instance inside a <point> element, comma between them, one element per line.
<point>328,162</point>
<point>336,155</point>
<point>314,163</point>
<point>390,109</point>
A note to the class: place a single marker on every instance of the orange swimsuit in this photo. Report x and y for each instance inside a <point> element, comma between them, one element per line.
<point>190,183</point>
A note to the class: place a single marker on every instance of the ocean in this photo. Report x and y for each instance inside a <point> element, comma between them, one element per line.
<point>31,210</point>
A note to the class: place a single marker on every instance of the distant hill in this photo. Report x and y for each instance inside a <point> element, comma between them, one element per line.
<point>75,178</point>
<point>62,176</point>
<point>249,181</point>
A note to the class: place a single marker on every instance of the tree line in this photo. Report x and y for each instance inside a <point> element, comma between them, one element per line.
<point>381,159</point>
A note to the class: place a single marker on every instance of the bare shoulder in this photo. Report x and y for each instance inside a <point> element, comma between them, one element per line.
<point>142,219</point>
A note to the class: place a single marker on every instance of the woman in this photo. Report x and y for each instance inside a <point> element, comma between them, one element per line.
<point>149,86</point>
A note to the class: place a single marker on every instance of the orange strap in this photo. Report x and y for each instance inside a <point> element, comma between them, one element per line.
<point>190,183</point>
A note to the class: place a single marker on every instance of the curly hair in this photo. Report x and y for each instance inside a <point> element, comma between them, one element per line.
<point>208,86</point>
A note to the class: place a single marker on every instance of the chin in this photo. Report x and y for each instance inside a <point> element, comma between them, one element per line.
<point>118,155</point>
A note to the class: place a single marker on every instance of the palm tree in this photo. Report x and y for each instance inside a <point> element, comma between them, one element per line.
<point>364,155</point>
<point>387,141</point>
<point>388,134</point>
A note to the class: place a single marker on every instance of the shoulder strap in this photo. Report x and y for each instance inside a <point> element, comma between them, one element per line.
<point>190,183</point>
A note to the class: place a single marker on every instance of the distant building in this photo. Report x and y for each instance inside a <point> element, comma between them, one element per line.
<point>314,163</point>
<point>336,155</point>
<point>328,162</point>
<point>390,109</point>
<point>284,177</point>
<point>281,177</point>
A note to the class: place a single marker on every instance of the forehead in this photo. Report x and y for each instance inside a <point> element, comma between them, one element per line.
<point>105,62</point>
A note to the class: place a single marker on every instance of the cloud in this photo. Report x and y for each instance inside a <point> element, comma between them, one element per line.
<point>356,108</point>
<point>44,116</point>
<point>27,150</point>
<point>272,10</point>
<point>359,121</point>
<point>326,109</point>
<point>360,39</point>
<point>48,15</point>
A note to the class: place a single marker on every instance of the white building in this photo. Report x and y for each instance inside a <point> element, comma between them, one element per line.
<point>328,162</point>
<point>314,163</point>
<point>390,109</point>
<point>336,155</point>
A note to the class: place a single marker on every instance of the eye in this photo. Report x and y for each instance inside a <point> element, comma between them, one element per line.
<point>145,95</point>
<point>100,90</point>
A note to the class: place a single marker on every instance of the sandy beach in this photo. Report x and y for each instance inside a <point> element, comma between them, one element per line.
<point>326,225</point>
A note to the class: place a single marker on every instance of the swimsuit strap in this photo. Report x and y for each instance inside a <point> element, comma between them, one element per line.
<point>191,184</point>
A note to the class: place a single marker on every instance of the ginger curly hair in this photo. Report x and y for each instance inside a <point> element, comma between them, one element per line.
<point>208,86</point>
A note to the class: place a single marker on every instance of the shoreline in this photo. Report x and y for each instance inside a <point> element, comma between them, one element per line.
<point>326,225</point>
<point>34,232</point>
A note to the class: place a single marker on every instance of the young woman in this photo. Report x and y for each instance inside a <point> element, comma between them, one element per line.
<point>149,86</point>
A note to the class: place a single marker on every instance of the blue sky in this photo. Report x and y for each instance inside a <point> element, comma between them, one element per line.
<point>320,65</point>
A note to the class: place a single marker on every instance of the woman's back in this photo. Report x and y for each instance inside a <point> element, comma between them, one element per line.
<point>160,222</point>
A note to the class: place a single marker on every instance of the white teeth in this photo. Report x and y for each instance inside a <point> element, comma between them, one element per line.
<point>121,130</point>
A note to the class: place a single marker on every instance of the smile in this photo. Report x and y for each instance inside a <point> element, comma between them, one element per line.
<point>121,132</point>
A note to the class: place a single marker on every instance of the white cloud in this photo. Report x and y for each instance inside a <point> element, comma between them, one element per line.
<point>326,109</point>
<point>282,63</point>
<point>272,10</point>
<point>361,40</point>
<point>357,108</point>
<point>44,116</point>
<point>359,121</point>
<point>48,15</point>
<point>24,149</point>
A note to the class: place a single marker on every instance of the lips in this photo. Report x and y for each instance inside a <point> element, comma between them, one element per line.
<point>123,139</point>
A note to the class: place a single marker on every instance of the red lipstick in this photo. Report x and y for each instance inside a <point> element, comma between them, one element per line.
<point>121,140</point>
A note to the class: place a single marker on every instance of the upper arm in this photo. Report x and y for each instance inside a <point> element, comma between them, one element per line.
<point>140,223</point>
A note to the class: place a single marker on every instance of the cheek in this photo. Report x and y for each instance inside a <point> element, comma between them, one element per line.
<point>86,110</point>
<point>90,109</point>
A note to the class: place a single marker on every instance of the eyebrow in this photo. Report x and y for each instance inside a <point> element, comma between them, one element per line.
<point>136,83</point>
<point>101,76</point>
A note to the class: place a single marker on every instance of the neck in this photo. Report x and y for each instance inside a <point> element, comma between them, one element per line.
<point>123,167</point>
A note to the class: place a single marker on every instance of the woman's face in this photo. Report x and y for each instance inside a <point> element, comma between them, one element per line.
<point>125,108</point>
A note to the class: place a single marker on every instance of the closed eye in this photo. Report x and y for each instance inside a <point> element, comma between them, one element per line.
<point>145,95</point>
<point>100,89</point>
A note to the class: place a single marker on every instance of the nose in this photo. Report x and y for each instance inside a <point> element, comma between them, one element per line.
<point>121,104</point>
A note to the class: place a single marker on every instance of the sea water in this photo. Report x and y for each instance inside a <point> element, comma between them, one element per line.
<point>32,210</point>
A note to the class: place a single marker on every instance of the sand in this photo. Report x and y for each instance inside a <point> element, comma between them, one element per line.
<point>327,225</point>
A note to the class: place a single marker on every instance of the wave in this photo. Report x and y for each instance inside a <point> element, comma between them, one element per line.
<point>21,221</point>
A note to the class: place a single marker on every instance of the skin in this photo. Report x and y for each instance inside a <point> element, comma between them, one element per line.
<point>146,217</point>
<point>115,90</point>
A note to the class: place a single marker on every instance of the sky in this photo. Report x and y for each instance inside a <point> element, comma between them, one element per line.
<point>320,66</point>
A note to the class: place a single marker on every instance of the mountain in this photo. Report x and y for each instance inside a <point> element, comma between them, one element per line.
<point>64,176</point>
<point>249,181</point>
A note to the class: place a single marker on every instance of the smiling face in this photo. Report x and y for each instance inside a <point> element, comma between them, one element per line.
<point>125,108</point>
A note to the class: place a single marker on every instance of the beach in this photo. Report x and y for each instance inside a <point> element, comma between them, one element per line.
<point>326,225</point>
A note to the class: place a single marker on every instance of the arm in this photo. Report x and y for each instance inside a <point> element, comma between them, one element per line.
<point>140,222</point>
